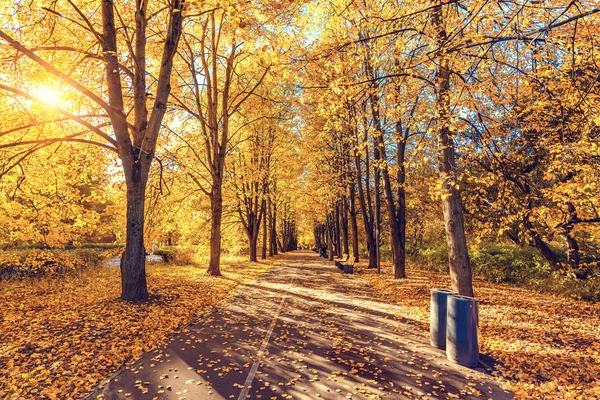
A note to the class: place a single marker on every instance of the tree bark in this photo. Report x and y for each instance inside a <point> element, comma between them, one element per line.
<point>353,223</point>
<point>401,209</point>
<point>253,241</point>
<point>541,245</point>
<point>377,179</point>
<point>367,216</point>
<point>456,241</point>
<point>396,212</point>
<point>345,238</point>
<point>270,213</point>
<point>264,224</point>
<point>330,233</point>
<point>274,229</point>
<point>338,231</point>
<point>216,206</point>
<point>133,261</point>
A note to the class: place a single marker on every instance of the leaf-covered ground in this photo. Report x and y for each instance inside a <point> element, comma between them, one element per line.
<point>59,337</point>
<point>547,347</point>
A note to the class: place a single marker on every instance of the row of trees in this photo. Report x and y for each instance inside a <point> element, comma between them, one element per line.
<point>173,89</point>
<point>489,108</point>
<point>501,98</point>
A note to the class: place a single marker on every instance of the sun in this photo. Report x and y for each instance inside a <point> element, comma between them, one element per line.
<point>48,95</point>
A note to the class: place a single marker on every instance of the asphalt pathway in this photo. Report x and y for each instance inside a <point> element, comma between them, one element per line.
<point>303,330</point>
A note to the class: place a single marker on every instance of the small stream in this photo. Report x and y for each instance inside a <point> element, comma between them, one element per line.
<point>116,261</point>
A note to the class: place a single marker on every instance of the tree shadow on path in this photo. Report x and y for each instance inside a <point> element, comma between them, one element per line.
<point>329,339</point>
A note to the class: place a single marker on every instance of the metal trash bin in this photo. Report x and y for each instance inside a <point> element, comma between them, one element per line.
<point>462,345</point>
<point>437,320</point>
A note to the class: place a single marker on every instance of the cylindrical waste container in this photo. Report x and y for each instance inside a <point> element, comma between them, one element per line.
<point>462,346</point>
<point>437,320</point>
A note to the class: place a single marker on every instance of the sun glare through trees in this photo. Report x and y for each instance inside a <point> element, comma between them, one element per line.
<point>299,199</point>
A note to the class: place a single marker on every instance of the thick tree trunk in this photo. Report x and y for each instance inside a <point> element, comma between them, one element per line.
<point>253,242</point>
<point>396,214</point>
<point>216,206</point>
<point>456,240</point>
<point>133,261</point>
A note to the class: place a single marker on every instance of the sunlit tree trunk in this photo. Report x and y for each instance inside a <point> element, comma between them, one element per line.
<point>456,241</point>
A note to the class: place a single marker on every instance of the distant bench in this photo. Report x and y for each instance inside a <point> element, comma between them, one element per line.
<point>345,268</point>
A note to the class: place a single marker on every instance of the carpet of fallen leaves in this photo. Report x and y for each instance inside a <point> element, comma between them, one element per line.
<point>59,337</point>
<point>546,347</point>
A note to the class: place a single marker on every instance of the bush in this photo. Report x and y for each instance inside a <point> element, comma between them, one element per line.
<point>36,262</point>
<point>431,256</point>
<point>176,255</point>
<point>523,266</point>
<point>510,264</point>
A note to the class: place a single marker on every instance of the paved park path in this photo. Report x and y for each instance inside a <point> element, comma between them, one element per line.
<point>303,330</point>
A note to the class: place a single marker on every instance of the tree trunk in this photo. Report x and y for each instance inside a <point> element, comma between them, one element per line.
<point>573,256</point>
<point>542,247</point>
<point>345,238</point>
<point>401,210</point>
<point>253,241</point>
<point>274,228</point>
<point>396,212</point>
<point>216,207</point>
<point>367,216</point>
<point>353,223</point>
<point>264,238</point>
<point>338,231</point>
<point>456,240</point>
<point>133,261</point>
<point>331,240</point>
<point>377,179</point>
<point>270,234</point>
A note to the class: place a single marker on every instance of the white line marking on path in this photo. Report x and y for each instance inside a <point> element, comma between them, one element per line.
<point>261,352</point>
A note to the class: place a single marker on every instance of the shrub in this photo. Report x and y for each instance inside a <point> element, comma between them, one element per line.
<point>523,266</point>
<point>431,256</point>
<point>176,255</point>
<point>34,262</point>
<point>510,264</point>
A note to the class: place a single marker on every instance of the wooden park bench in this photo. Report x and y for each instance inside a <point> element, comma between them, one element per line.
<point>345,268</point>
